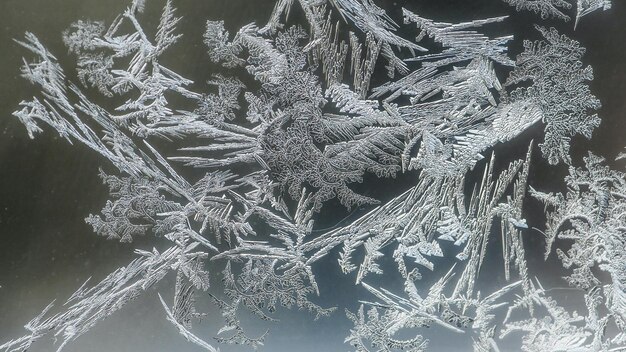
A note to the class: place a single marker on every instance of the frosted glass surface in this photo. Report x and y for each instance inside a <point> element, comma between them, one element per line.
<point>399,170</point>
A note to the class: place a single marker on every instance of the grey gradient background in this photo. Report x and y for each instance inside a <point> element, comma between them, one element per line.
<point>47,187</point>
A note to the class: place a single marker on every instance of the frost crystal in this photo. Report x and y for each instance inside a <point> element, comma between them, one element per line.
<point>557,8</point>
<point>296,120</point>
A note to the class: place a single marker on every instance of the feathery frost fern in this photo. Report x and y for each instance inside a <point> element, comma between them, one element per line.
<point>304,129</point>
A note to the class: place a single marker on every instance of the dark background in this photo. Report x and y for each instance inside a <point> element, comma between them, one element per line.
<point>47,186</point>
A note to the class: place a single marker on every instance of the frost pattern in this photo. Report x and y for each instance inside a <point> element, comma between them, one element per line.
<point>303,130</point>
<point>558,8</point>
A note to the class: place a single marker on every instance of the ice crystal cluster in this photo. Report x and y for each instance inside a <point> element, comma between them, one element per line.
<point>293,122</point>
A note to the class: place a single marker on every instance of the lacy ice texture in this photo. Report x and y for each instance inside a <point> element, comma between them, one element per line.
<point>306,127</point>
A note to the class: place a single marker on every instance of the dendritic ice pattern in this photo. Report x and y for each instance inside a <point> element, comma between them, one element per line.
<point>306,109</point>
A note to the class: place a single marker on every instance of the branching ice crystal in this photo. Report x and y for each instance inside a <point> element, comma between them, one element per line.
<point>303,130</point>
<point>557,8</point>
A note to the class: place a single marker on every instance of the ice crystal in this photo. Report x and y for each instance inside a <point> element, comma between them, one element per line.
<point>555,69</point>
<point>557,8</point>
<point>291,124</point>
